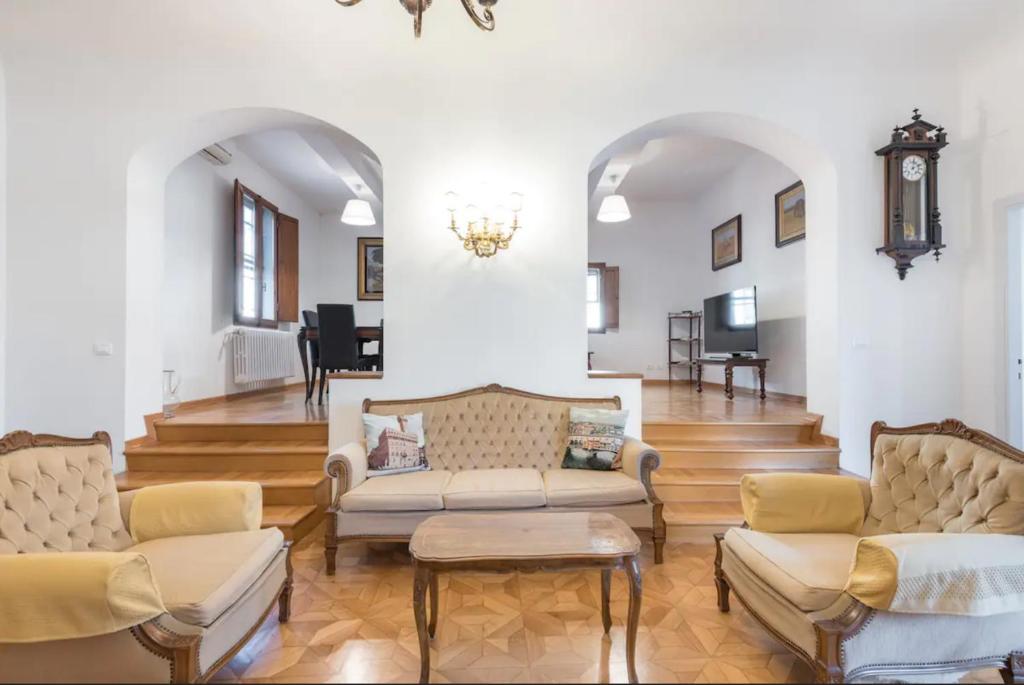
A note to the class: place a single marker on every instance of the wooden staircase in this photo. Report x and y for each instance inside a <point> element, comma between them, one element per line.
<point>286,459</point>
<point>702,463</point>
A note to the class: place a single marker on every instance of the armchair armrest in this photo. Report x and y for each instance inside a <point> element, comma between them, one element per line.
<point>62,596</point>
<point>347,468</point>
<point>201,508</point>
<point>639,460</point>
<point>803,503</point>
<point>962,574</point>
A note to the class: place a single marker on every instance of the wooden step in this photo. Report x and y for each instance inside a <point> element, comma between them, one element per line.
<point>279,487</point>
<point>182,430</point>
<point>697,522</point>
<point>710,485</point>
<point>796,430</point>
<point>746,455</point>
<point>294,520</point>
<point>222,455</point>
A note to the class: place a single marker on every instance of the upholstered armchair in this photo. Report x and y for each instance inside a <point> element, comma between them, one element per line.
<point>161,584</point>
<point>918,574</point>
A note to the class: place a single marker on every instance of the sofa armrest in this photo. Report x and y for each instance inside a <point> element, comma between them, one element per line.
<point>802,503</point>
<point>62,596</point>
<point>963,574</point>
<point>639,460</point>
<point>200,508</point>
<point>347,468</point>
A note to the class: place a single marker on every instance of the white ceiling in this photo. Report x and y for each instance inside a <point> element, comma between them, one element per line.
<point>681,167</point>
<point>321,164</point>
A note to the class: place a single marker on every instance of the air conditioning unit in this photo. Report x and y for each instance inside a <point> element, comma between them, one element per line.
<point>216,155</point>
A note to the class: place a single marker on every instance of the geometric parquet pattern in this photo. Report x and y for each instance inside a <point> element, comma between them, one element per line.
<point>358,626</point>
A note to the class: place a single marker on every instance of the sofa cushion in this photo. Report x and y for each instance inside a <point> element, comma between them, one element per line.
<point>808,569</point>
<point>581,488</point>
<point>418,491</point>
<point>201,576</point>
<point>495,489</point>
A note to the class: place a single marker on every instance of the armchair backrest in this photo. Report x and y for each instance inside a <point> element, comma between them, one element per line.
<point>944,478</point>
<point>58,495</point>
<point>493,426</point>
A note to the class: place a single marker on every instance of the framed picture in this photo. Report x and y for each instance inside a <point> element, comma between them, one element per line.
<point>790,215</point>
<point>727,243</point>
<point>371,268</point>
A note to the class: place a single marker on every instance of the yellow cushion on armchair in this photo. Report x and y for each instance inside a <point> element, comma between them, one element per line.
<point>802,503</point>
<point>200,508</point>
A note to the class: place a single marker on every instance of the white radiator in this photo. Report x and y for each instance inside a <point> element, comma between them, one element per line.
<point>263,355</point>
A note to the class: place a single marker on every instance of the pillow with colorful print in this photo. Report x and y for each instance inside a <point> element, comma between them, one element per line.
<point>595,439</point>
<point>394,444</point>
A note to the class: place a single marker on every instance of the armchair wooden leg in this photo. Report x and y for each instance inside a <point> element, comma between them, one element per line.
<point>1014,670</point>
<point>284,600</point>
<point>659,533</point>
<point>331,542</point>
<point>721,584</point>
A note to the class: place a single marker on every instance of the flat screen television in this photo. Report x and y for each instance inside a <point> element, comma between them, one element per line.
<point>730,322</point>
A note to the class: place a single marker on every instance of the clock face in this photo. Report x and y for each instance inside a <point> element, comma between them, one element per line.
<point>913,168</point>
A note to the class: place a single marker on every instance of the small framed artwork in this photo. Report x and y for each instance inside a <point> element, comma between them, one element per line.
<point>727,243</point>
<point>790,215</point>
<point>371,268</point>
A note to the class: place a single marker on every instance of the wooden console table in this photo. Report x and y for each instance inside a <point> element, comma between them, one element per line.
<point>730,363</point>
<point>524,542</point>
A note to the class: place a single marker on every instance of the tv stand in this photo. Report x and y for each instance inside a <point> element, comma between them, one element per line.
<point>730,363</point>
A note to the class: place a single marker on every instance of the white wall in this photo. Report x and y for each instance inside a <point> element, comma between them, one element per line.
<point>664,255</point>
<point>91,86</point>
<point>337,251</point>
<point>3,250</point>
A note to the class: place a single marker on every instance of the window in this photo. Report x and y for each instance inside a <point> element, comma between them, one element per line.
<point>260,248</point>
<point>602,298</point>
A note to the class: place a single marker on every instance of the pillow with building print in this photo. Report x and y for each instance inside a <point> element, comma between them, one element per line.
<point>394,444</point>
<point>595,439</point>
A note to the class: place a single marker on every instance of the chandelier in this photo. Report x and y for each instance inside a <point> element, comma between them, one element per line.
<point>485,231</point>
<point>483,19</point>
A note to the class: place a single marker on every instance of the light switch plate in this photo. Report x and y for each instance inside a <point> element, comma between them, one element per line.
<point>103,349</point>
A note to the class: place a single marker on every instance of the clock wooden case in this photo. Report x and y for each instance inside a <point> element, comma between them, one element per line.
<point>912,219</point>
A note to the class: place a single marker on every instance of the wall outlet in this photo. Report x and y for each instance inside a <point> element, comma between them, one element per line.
<point>103,349</point>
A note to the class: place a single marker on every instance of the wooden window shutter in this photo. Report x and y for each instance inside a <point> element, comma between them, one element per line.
<point>287,268</point>
<point>610,296</point>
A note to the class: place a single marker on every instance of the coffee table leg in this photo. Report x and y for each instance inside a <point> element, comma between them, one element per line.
<point>606,591</point>
<point>635,591</point>
<point>419,607</point>
<point>432,627</point>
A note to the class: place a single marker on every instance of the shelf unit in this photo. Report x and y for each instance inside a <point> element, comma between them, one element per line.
<point>686,337</point>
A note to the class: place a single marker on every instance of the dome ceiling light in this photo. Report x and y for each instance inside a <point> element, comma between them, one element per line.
<point>483,17</point>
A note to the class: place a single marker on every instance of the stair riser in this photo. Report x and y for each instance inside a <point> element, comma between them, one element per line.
<point>760,432</point>
<point>303,527</point>
<point>220,462</point>
<point>697,493</point>
<point>696,535</point>
<point>749,459</point>
<point>198,432</point>
<point>298,495</point>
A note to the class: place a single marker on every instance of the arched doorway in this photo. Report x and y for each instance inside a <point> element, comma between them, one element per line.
<point>147,177</point>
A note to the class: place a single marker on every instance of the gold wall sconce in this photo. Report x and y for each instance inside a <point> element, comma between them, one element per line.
<point>486,230</point>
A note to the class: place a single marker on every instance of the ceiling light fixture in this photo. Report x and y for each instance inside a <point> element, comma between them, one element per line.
<point>358,212</point>
<point>614,208</point>
<point>484,19</point>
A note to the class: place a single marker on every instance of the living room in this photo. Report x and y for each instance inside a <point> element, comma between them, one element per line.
<point>737,539</point>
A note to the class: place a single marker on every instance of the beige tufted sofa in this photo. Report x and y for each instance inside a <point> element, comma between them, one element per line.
<point>491,449</point>
<point>81,600</point>
<point>898,598</point>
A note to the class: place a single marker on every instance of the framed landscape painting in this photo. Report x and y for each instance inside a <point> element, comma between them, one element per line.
<point>727,243</point>
<point>790,215</point>
<point>371,268</point>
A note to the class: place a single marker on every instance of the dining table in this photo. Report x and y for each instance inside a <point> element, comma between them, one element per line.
<point>309,334</point>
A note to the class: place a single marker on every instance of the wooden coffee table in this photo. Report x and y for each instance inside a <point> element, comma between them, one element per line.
<point>525,542</point>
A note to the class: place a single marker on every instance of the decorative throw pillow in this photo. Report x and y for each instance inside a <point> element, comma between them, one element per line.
<point>595,439</point>
<point>394,444</point>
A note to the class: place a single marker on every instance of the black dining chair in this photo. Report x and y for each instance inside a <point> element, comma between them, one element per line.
<point>374,361</point>
<point>339,348</point>
<point>312,321</point>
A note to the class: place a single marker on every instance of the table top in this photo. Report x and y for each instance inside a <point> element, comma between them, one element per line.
<point>737,361</point>
<point>522,536</point>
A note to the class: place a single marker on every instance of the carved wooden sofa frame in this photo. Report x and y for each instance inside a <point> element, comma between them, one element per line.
<point>180,651</point>
<point>826,662</point>
<point>338,470</point>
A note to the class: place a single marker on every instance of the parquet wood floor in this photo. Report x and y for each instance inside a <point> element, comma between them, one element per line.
<point>682,402</point>
<point>545,627</point>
